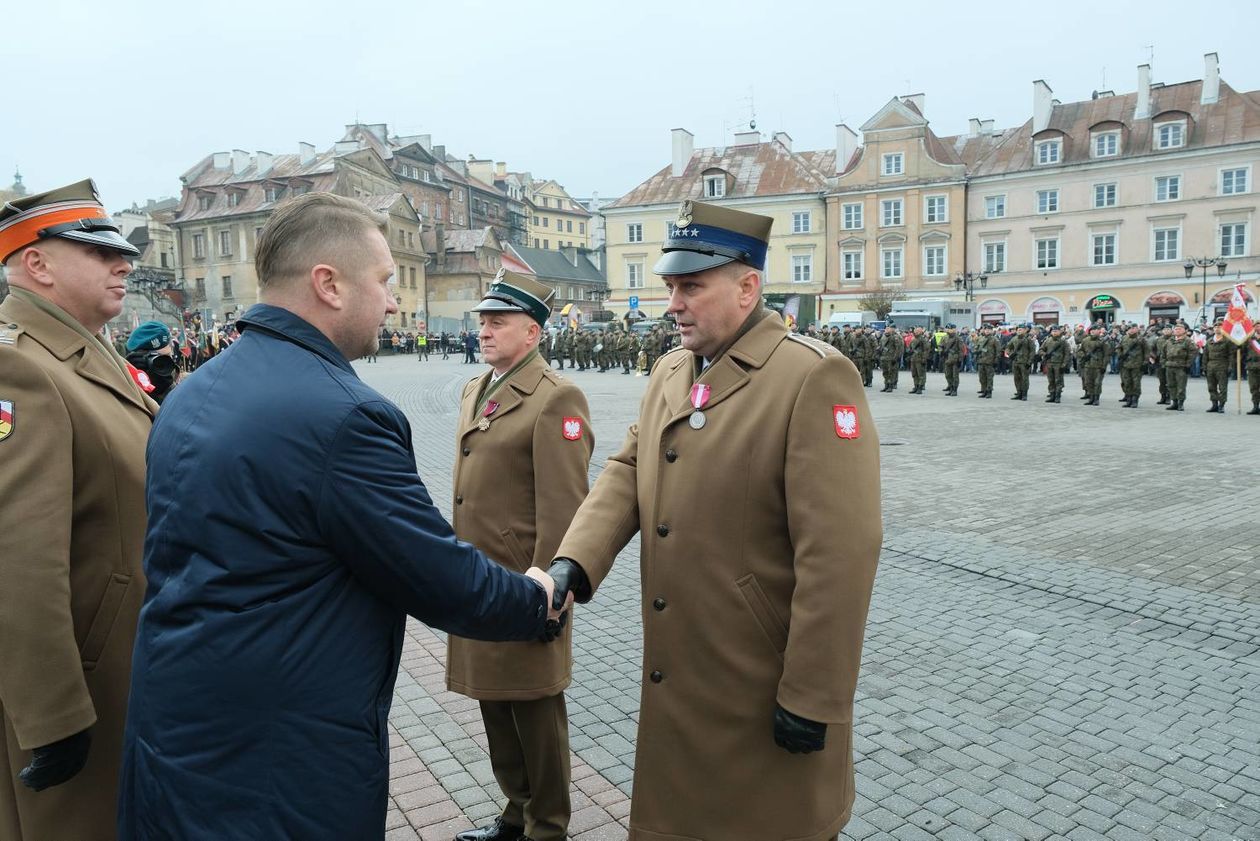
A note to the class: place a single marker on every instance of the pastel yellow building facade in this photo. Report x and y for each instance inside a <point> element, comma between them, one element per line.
<point>555,220</point>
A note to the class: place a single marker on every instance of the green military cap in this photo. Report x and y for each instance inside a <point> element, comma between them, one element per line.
<point>705,236</point>
<point>512,292</point>
<point>72,212</point>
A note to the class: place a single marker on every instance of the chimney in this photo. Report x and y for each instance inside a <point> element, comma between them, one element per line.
<point>265,160</point>
<point>240,161</point>
<point>986,127</point>
<point>439,237</point>
<point>684,144</point>
<point>345,147</point>
<point>570,253</point>
<point>380,131</point>
<point>222,160</point>
<point>1143,109</point>
<point>747,138</point>
<point>1211,79</point>
<point>1042,99</point>
<point>918,100</point>
<point>784,139</point>
<point>500,169</point>
<point>846,145</point>
<point>973,127</point>
<point>306,153</point>
<point>439,152</point>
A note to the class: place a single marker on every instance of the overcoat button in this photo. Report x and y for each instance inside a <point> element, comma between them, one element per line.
<point>459,500</point>
<point>465,451</point>
<point>659,604</point>
<point>671,456</point>
<point>656,677</point>
<point>662,530</point>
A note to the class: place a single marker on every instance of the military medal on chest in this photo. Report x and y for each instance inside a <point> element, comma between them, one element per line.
<point>484,423</point>
<point>699,397</point>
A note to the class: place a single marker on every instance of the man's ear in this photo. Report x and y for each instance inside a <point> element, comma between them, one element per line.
<point>34,263</point>
<point>749,287</point>
<point>328,285</point>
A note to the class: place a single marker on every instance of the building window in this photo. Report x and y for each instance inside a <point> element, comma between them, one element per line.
<point>1104,195</point>
<point>234,198</point>
<point>892,263</point>
<point>425,177</point>
<point>891,212</point>
<point>402,238</point>
<point>1104,248</point>
<point>546,202</point>
<point>853,217</point>
<point>1048,253</point>
<point>199,246</point>
<point>802,268</point>
<point>800,222</point>
<point>546,220</point>
<point>546,243</point>
<point>271,193</point>
<point>994,207</point>
<point>1107,144</point>
<point>536,222</point>
<point>1168,188</point>
<point>634,232</point>
<point>934,261</point>
<point>1049,152</point>
<point>634,275</point>
<point>852,265</point>
<point>994,257</point>
<point>1167,244</point>
<point>936,209</point>
<point>568,226</point>
<point>225,243</point>
<point>1234,239</point>
<point>412,272</point>
<point>536,241</point>
<point>581,227</point>
<point>200,286</point>
<point>715,186</point>
<point>1170,136</point>
<point>1047,201</point>
<point>1233,181</point>
<point>894,163</point>
<point>227,286</point>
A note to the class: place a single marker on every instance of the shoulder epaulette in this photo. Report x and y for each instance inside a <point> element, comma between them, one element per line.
<point>819,347</point>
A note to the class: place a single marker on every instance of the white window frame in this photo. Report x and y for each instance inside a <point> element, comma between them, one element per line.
<point>852,216</point>
<point>1046,253</point>
<point>225,238</point>
<point>1234,248</point>
<point>1094,246</point>
<point>898,252</point>
<point>802,221</point>
<point>199,246</point>
<point>1171,185</point>
<point>999,204</point>
<point>992,249</point>
<point>1246,186</point>
<point>928,260</point>
<point>1049,152</point>
<point>849,262</point>
<point>1159,128</point>
<point>943,216</point>
<point>887,205</point>
<point>1113,194</point>
<point>1104,139</point>
<point>1175,256</point>
<point>714,186</point>
<point>634,274</point>
<point>802,268</point>
<point>893,163</point>
<point>634,232</point>
<point>1048,195</point>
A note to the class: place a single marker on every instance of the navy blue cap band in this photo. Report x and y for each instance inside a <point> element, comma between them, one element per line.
<point>707,239</point>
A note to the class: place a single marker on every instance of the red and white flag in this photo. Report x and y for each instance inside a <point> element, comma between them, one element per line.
<point>1237,325</point>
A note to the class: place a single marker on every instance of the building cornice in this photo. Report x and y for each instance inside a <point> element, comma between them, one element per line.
<point>1139,161</point>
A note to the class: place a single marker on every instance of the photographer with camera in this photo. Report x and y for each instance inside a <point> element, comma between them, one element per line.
<point>150,351</point>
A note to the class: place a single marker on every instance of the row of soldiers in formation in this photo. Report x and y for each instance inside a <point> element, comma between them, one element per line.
<point>614,346</point>
<point>1171,351</point>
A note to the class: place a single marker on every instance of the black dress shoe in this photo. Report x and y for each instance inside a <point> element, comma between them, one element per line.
<point>498,831</point>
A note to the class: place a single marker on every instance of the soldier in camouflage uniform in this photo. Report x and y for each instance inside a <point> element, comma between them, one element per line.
<point>1251,361</point>
<point>951,358</point>
<point>1160,371</point>
<point>1217,356</point>
<point>1079,358</point>
<point>1132,359</point>
<point>891,348</point>
<point>987,349</point>
<point>1094,352</point>
<point>1179,354</point>
<point>1054,352</point>
<point>1020,351</point>
<point>920,355</point>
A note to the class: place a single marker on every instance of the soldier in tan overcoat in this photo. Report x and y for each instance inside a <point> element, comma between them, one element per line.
<point>73,426</point>
<point>752,476</point>
<point>522,454</point>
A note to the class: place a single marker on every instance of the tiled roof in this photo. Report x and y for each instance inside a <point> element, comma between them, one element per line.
<point>759,169</point>
<point>461,240</point>
<point>381,202</point>
<point>555,265</point>
<point>318,173</point>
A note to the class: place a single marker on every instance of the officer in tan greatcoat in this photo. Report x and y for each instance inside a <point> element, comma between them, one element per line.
<point>752,476</point>
<point>73,426</point>
<point>523,449</point>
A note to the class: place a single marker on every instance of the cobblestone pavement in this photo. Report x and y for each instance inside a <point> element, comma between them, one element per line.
<point>1064,640</point>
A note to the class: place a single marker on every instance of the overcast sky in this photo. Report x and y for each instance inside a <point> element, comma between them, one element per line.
<point>134,93</point>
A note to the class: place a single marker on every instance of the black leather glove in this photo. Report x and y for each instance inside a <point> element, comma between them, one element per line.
<point>798,735</point>
<point>54,764</point>
<point>569,578</point>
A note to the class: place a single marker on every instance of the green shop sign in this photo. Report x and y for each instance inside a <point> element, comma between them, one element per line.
<point>1102,302</point>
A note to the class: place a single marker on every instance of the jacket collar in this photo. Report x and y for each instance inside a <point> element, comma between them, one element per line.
<point>729,372</point>
<point>518,385</point>
<point>286,325</point>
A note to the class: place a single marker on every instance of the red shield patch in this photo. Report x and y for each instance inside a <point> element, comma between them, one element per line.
<point>572,428</point>
<point>846,421</point>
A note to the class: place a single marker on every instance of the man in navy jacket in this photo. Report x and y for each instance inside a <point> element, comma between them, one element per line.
<point>289,538</point>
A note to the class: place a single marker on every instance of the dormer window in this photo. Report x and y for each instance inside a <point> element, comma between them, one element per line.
<point>204,201</point>
<point>272,194</point>
<point>894,163</point>
<point>234,198</point>
<point>714,186</point>
<point>1049,151</point>
<point>1106,144</point>
<point>1170,135</point>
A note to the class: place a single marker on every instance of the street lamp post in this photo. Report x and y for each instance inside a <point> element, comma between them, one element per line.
<point>598,294</point>
<point>1203,263</point>
<point>966,283</point>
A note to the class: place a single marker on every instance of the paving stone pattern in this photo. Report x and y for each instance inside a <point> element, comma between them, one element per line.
<point>1064,641</point>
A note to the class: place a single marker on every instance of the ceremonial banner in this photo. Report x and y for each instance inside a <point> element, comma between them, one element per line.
<point>1237,325</point>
